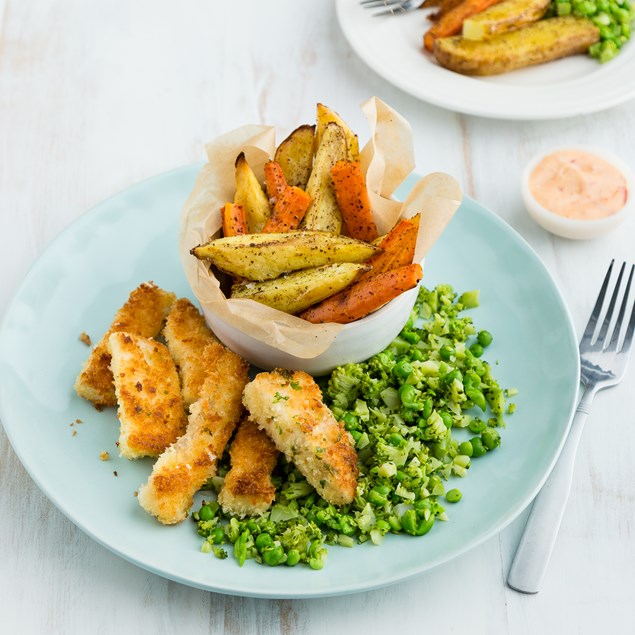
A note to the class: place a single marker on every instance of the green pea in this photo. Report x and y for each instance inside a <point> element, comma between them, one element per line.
<point>484,338</point>
<point>378,498</point>
<point>206,513</point>
<point>446,353</point>
<point>454,496</point>
<point>466,448</point>
<point>491,438</point>
<point>396,439</point>
<point>408,395</point>
<point>425,526</point>
<point>350,421</point>
<point>409,522</point>
<point>447,418</point>
<point>476,349</point>
<point>402,370</point>
<point>410,336</point>
<point>218,536</point>
<point>478,449</point>
<point>263,541</point>
<point>293,557</point>
<point>446,380</point>
<point>477,425</point>
<point>273,555</point>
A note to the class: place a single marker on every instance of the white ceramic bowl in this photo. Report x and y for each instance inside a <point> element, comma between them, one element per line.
<point>354,343</point>
<point>572,228</point>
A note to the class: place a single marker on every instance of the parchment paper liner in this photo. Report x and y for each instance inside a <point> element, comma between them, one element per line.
<point>387,159</point>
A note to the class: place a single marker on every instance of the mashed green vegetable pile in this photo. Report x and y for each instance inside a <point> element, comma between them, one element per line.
<point>401,407</point>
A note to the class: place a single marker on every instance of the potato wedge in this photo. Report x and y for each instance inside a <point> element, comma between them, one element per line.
<point>539,42</point>
<point>325,116</point>
<point>267,256</point>
<point>250,195</point>
<point>299,290</point>
<point>503,17</point>
<point>295,156</point>
<point>323,213</point>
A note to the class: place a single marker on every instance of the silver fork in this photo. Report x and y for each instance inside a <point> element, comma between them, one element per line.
<point>603,362</point>
<point>392,7</point>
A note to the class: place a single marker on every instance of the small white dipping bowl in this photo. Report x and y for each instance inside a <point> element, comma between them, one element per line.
<point>569,227</point>
<point>356,341</point>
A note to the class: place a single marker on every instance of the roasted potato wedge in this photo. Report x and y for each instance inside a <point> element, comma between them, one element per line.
<point>295,155</point>
<point>539,42</point>
<point>325,116</point>
<point>267,256</point>
<point>299,290</point>
<point>503,17</point>
<point>250,195</point>
<point>323,213</point>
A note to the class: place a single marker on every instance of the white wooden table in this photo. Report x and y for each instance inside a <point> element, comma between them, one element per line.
<point>95,96</point>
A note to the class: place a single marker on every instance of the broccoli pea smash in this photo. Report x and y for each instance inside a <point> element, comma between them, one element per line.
<point>401,407</point>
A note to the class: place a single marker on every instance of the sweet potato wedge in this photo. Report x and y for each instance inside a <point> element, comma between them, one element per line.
<point>398,248</point>
<point>295,156</point>
<point>274,180</point>
<point>298,290</point>
<point>451,22</point>
<point>234,222</point>
<point>362,298</point>
<point>250,195</point>
<point>288,212</point>
<point>349,184</point>
<point>540,42</point>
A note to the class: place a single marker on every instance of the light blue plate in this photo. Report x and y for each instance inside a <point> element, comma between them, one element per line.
<point>86,274</point>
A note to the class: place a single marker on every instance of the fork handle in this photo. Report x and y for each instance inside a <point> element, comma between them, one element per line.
<point>534,550</point>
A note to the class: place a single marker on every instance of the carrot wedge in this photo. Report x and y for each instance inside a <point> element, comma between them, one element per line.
<point>451,23</point>
<point>364,297</point>
<point>234,220</point>
<point>398,248</point>
<point>288,212</point>
<point>274,179</point>
<point>349,184</point>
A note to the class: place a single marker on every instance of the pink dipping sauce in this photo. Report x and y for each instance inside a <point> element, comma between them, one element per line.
<point>579,185</point>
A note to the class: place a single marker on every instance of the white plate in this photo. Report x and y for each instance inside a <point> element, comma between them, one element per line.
<point>393,47</point>
<point>88,271</point>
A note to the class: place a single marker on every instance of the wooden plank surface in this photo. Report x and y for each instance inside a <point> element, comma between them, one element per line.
<point>97,96</point>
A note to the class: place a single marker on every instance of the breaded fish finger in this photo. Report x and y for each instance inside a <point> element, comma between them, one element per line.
<point>187,335</point>
<point>151,412</point>
<point>143,314</point>
<point>187,464</point>
<point>288,406</point>
<point>248,489</point>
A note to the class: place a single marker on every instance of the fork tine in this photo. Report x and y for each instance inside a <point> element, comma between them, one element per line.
<point>595,314</point>
<point>370,4</point>
<point>620,318</point>
<point>609,312</point>
<point>628,338</point>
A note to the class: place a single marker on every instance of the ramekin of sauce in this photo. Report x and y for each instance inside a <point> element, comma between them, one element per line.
<point>578,192</point>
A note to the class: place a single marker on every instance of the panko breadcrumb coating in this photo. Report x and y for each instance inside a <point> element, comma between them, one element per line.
<point>288,406</point>
<point>151,412</point>
<point>248,489</point>
<point>187,335</point>
<point>186,465</point>
<point>142,314</point>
